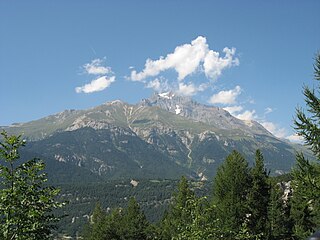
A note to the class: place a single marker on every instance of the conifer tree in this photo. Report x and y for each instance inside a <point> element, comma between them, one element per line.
<point>134,223</point>
<point>307,125</point>
<point>178,214</point>
<point>306,175</point>
<point>305,199</point>
<point>279,220</point>
<point>96,229</point>
<point>128,224</point>
<point>259,196</point>
<point>230,189</point>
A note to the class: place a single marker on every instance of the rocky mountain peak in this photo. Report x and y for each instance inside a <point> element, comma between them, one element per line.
<point>212,115</point>
<point>166,95</point>
<point>170,101</point>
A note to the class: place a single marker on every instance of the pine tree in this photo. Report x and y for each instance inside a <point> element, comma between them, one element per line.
<point>179,213</point>
<point>96,228</point>
<point>259,196</point>
<point>305,199</point>
<point>307,125</point>
<point>306,175</point>
<point>128,224</point>
<point>279,220</point>
<point>230,190</point>
<point>134,223</point>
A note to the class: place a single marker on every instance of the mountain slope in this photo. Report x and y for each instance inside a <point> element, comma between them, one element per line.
<point>162,137</point>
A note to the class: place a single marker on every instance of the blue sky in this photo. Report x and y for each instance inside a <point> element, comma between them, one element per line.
<point>250,57</point>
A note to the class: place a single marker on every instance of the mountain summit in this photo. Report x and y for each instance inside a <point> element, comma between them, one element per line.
<point>165,136</point>
<point>218,117</point>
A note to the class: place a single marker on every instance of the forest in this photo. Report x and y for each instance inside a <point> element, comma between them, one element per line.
<point>246,203</point>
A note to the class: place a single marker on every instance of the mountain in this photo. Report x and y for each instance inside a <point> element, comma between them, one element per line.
<point>211,115</point>
<point>165,136</point>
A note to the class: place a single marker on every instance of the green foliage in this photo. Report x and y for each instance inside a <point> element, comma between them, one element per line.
<point>96,229</point>
<point>307,125</point>
<point>134,222</point>
<point>305,199</point>
<point>178,214</point>
<point>25,203</point>
<point>202,225</point>
<point>128,224</point>
<point>245,233</point>
<point>189,216</point>
<point>230,189</point>
<point>259,196</point>
<point>193,217</point>
<point>279,219</point>
<point>153,197</point>
<point>306,175</point>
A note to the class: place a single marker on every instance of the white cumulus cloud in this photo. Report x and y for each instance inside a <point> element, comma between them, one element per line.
<point>226,97</point>
<point>155,84</point>
<point>247,115</point>
<point>103,76</point>
<point>214,64</point>
<point>233,109</point>
<point>96,85</point>
<point>187,59</point>
<point>274,129</point>
<point>250,115</point>
<point>295,138</point>
<point>96,67</point>
<point>187,89</point>
<point>158,84</point>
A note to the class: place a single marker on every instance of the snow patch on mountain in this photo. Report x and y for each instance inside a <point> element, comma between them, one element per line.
<point>166,95</point>
<point>178,109</point>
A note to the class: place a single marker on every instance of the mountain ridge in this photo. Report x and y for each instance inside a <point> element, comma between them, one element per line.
<point>173,134</point>
<point>185,105</point>
<point>166,102</point>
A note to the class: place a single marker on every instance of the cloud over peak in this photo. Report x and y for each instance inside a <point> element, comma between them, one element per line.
<point>233,109</point>
<point>247,115</point>
<point>187,89</point>
<point>274,129</point>
<point>186,60</point>
<point>226,97</point>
